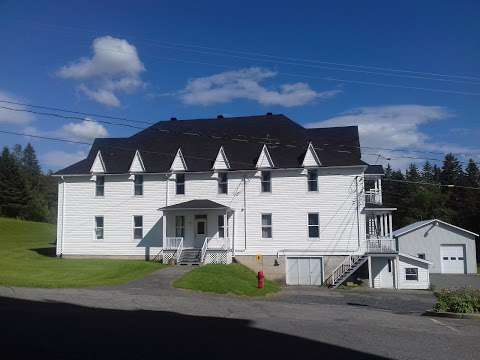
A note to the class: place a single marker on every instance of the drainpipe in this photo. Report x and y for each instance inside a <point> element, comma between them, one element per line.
<point>64,184</point>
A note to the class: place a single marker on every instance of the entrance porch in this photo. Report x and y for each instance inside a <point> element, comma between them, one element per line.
<point>197,231</point>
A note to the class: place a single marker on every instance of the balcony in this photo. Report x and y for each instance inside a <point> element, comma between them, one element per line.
<point>373,197</point>
<point>380,245</point>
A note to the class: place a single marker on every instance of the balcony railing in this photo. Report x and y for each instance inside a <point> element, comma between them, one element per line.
<point>377,244</point>
<point>172,243</point>
<point>218,243</point>
<point>373,197</point>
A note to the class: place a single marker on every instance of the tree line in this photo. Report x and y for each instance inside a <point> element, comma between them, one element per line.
<point>418,193</point>
<point>25,191</point>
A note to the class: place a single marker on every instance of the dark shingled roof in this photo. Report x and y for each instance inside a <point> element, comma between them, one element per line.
<point>375,170</point>
<point>241,137</point>
<point>196,205</point>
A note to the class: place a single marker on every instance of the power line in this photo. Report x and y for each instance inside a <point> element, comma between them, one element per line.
<point>269,56</point>
<point>244,137</point>
<point>450,186</point>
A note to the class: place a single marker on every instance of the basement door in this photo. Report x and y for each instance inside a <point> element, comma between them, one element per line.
<point>304,271</point>
<point>453,259</point>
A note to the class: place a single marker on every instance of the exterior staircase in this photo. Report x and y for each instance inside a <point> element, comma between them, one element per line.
<point>190,257</point>
<point>351,264</point>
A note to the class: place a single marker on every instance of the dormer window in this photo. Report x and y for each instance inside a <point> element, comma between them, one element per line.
<point>100,186</point>
<point>138,185</point>
<point>223,183</point>
<point>266,181</point>
<point>180,184</point>
<point>312,180</point>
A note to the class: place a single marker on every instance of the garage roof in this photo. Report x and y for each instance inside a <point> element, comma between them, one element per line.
<point>417,225</point>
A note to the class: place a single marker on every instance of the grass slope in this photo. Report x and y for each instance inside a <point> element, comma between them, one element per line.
<point>225,279</point>
<point>27,259</point>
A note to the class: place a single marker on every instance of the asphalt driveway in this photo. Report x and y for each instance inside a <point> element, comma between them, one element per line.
<point>140,321</point>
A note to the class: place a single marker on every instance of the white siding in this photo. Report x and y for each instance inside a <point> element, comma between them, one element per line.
<point>311,158</point>
<point>428,240</point>
<point>98,165</point>
<point>178,163</point>
<point>221,162</point>
<point>137,163</point>
<point>423,274</point>
<point>289,203</point>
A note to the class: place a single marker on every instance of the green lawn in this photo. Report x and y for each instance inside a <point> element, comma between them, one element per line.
<point>225,279</point>
<point>27,259</point>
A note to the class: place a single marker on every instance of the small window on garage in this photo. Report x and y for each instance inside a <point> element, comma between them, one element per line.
<point>411,274</point>
<point>421,256</point>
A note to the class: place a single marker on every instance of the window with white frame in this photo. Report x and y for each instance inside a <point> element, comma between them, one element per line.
<point>266,181</point>
<point>312,179</point>
<point>313,225</point>
<point>266,226</point>
<point>99,227</point>
<point>138,227</point>
<point>138,185</point>
<point>180,184</point>
<point>411,274</point>
<point>223,183</point>
<point>100,186</point>
<point>221,226</point>
<point>179,226</point>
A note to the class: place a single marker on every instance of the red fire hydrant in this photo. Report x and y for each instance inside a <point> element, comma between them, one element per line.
<point>261,280</point>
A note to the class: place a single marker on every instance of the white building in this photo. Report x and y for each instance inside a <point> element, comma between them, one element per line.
<point>213,190</point>
<point>450,248</point>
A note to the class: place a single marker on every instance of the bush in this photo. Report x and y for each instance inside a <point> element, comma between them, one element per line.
<point>465,300</point>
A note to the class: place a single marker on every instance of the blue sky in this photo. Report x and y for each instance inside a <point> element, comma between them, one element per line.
<point>156,59</point>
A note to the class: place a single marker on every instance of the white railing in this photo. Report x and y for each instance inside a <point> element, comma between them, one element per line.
<point>178,253</point>
<point>378,244</point>
<point>218,243</point>
<point>171,243</point>
<point>204,249</point>
<point>338,272</point>
<point>373,197</point>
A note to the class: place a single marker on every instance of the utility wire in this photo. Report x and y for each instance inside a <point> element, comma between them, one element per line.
<point>330,147</point>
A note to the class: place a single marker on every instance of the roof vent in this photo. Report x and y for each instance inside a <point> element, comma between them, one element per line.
<point>269,114</point>
<point>173,119</point>
<point>220,116</point>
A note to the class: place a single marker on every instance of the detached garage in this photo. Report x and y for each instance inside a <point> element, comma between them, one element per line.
<point>449,248</point>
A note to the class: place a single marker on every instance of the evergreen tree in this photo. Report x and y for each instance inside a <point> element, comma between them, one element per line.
<point>472,174</point>
<point>452,172</point>
<point>428,172</point>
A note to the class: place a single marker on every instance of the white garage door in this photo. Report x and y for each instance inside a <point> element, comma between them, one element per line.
<point>304,271</point>
<point>453,259</point>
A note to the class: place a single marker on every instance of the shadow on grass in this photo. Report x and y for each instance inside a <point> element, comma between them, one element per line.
<point>58,330</point>
<point>46,251</point>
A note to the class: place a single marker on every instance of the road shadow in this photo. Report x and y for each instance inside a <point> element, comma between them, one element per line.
<point>31,329</point>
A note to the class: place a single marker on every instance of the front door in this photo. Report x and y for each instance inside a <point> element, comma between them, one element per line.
<point>200,231</point>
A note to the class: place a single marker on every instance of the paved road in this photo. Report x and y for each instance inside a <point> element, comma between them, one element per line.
<point>135,321</point>
<point>441,281</point>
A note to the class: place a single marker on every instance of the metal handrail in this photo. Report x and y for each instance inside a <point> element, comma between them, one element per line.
<point>340,270</point>
<point>204,249</point>
<point>179,250</point>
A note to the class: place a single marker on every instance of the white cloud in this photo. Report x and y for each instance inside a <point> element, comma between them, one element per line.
<point>57,159</point>
<point>85,130</point>
<point>11,116</point>
<point>114,68</point>
<point>395,127</point>
<point>246,84</point>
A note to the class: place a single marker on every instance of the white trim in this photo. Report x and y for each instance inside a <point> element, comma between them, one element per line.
<point>180,156</point>
<point>98,158</point>
<point>221,152</point>
<point>415,258</point>
<point>138,157</point>
<point>434,221</point>
<point>312,151</point>
<point>264,154</point>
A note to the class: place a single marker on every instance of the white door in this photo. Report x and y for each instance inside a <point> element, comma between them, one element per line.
<point>200,232</point>
<point>304,271</point>
<point>386,277</point>
<point>453,259</point>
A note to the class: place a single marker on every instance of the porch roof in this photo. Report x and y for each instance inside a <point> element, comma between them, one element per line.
<point>201,204</point>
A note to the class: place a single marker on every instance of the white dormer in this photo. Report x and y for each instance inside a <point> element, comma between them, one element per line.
<point>98,165</point>
<point>264,160</point>
<point>137,164</point>
<point>311,158</point>
<point>221,161</point>
<point>178,163</point>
